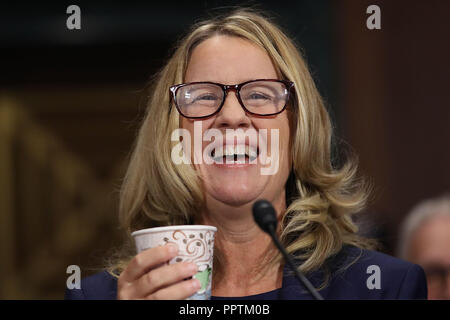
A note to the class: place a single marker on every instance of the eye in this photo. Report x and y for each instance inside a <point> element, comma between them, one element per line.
<point>207,97</point>
<point>257,96</point>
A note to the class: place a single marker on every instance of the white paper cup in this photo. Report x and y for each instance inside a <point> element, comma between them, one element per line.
<point>195,244</point>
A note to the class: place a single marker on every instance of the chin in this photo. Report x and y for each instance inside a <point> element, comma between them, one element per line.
<point>235,197</point>
<point>238,201</point>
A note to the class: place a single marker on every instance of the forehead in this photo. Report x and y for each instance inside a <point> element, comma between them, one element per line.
<point>229,60</point>
<point>432,240</point>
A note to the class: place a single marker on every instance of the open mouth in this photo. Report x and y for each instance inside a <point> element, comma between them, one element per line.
<point>230,154</point>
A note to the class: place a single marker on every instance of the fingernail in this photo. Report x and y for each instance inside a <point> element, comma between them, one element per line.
<point>172,249</point>
<point>193,267</point>
<point>196,284</point>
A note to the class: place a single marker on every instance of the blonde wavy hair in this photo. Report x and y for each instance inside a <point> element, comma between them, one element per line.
<point>156,192</point>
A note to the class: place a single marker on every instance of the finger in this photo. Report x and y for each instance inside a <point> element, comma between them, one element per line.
<point>146,260</point>
<point>179,291</point>
<point>162,277</point>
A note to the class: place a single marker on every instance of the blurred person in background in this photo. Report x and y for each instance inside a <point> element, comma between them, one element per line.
<point>425,240</point>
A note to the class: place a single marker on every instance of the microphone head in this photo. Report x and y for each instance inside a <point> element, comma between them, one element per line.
<point>265,215</point>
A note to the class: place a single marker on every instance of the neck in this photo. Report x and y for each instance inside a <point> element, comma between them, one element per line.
<point>243,250</point>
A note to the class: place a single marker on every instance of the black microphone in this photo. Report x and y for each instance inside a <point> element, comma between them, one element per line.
<point>266,218</point>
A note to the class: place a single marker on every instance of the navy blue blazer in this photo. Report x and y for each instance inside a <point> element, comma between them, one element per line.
<point>353,276</point>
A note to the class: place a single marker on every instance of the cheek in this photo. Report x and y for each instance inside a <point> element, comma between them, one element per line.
<point>285,157</point>
<point>187,124</point>
<point>283,128</point>
<point>287,145</point>
<point>285,152</point>
<point>195,143</point>
<point>188,140</point>
<point>286,136</point>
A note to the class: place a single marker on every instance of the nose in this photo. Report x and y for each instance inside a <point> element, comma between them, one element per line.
<point>232,115</point>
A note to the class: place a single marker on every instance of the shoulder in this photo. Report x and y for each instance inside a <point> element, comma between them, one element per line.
<point>99,286</point>
<point>368,274</point>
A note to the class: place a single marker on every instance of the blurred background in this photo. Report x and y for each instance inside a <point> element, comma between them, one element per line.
<point>71,101</point>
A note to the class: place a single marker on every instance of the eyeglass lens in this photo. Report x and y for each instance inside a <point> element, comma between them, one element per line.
<point>258,97</point>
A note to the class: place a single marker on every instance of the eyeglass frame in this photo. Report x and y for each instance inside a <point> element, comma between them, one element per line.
<point>226,87</point>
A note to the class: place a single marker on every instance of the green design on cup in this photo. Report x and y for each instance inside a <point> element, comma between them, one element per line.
<point>203,277</point>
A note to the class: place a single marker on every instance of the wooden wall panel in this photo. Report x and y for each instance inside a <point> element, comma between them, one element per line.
<point>394,84</point>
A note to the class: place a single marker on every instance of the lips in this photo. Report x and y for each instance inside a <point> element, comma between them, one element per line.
<point>240,153</point>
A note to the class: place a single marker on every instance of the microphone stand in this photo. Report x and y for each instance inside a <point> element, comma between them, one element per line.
<point>291,264</point>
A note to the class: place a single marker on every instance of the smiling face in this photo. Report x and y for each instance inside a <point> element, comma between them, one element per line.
<point>232,60</point>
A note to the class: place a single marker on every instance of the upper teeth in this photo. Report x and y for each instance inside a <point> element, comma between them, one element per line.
<point>238,150</point>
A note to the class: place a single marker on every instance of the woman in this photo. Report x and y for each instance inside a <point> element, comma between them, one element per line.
<point>269,89</point>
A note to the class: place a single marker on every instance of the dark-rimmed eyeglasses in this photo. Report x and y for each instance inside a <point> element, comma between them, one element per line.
<point>261,97</point>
